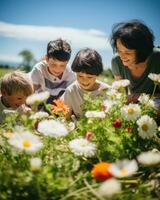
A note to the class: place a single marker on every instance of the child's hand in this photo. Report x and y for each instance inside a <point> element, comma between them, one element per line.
<point>24,110</point>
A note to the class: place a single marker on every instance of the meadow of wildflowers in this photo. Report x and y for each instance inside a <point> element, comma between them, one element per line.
<point>112,152</point>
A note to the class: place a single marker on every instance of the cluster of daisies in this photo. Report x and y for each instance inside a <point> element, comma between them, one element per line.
<point>110,173</point>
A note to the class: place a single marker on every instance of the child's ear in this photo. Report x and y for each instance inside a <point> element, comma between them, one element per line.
<point>46,58</point>
<point>4,93</point>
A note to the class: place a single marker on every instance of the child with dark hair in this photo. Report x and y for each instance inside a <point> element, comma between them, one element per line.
<point>87,65</point>
<point>53,74</point>
<point>136,56</point>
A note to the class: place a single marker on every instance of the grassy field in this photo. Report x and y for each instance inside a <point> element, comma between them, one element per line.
<point>3,71</point>
<point>106,79</point>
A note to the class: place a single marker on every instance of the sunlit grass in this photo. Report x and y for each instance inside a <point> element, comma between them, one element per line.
<point>4,71</point>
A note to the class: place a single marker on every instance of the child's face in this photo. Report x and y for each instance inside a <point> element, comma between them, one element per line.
<point>86,81</point>
<point>14,100</point>
<point>56,67</point>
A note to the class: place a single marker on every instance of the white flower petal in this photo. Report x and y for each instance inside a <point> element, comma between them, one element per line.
<point>123,168</point>
<point>109,188</point>
<point>95,114</point>
<point>37,98</point>
<point>26,141</point>
<point>82,147</point>
<point>131,112</point>
<point>149,158</point>
<point>147,127</point>
<point>52,128</point>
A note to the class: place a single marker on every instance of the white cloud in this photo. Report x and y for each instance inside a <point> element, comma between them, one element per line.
<point>78,38</point>
<point>10,58</point>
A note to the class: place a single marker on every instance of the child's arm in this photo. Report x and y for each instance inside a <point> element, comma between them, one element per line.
<point>36,87</point>
<point>37,78</point>
<point>68,115</point>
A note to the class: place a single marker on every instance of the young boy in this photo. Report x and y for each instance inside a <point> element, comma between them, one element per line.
<point>87,65</point>
<point>52,74</point>
<point>15,88</point>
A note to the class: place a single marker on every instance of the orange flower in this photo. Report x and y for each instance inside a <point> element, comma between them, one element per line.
<point>100,171</point>
<point>59,107</point>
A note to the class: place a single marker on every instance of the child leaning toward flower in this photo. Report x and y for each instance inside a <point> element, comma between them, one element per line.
<point>15,88</point>
<point>87,65</point>
<point>53,74</point>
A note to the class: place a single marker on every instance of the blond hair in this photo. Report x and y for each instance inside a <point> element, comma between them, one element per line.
<point>16,81</point>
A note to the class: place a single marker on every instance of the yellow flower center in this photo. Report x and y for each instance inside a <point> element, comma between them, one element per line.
<point>144,127</point>
<point>130,110</point>
<point>26,143</point>
<point>123,171</point>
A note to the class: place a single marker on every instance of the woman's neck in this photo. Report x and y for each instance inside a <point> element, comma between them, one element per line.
<point>138,69</point>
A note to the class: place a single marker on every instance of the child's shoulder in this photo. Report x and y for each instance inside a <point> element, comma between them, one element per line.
<point>41,64</point>
<point>72,87</point>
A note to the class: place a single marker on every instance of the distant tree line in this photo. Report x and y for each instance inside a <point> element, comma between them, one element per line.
<point>5,66</point>
<point>28,60</point>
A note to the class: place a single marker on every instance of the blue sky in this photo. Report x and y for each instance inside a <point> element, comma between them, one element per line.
<point>31,24</point>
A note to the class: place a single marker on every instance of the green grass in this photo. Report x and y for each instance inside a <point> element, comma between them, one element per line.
<point>4,71</point>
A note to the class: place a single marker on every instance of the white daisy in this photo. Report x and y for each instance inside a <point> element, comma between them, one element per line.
<point>109,188</point>
<point>147,127</point>
<point>39,115</point>
<point>108,104</point>
<point>114,94</point>
<point>131,112</point>
<point>52,128</point>
<point>149,158</point>
<point>145,99</point>
<point>95,114</point>
<point>154,77</point>
<point>82,147</point>
<point>37,98</point>
<point>35,164</point>
<point>123,168</point>
<point>151,104</point>
<point>26,141</point>
<point>118,85</point>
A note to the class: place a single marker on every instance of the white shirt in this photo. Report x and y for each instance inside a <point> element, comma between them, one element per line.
<point>48,82</point>
<point>73,96</point>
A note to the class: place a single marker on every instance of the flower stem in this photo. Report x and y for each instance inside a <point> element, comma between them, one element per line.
<point>92,190</point>
<point>155,85</point>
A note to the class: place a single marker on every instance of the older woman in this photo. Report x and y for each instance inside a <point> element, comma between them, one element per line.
<point>136,56</point>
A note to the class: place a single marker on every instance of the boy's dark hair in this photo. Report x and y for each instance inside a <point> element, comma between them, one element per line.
<point>135,35</point>
<point>89,61</point>
<point>59,49</point>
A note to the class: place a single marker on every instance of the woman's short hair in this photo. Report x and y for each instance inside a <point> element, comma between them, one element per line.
<point>135,35</point>
<point>88,61</point>
<point>16,81</point>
